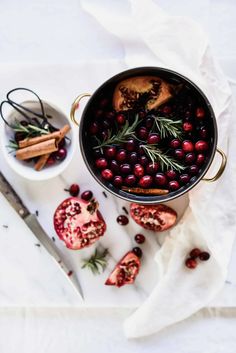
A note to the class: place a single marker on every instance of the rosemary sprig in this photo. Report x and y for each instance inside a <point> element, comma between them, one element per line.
<point>168,127</point>
<point>166,161</point>
<point>121,136</point>
<point>96,262</point>
<point>29,129</point>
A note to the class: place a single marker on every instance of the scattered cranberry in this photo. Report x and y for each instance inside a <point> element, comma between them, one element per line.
<point>114,166</point>
<point>184,178</point>
<point>61,154</point>
<point>204,256</point>
<point>121,156</point>
<point>138,170</point>
<point>200,113</point>
<point>139,238</point>
<point>137,251</point>
<point>187,146</point>
<point>187,126</point>
<point>130,180</point>
<point>193,169</point>
<point>87,195</point>
<point>200,159</point>
<point>179,153</point>
<point>160,179</point>
<point>101,163</point>
<point>120,118</point>
<point>143,133</point>
<point>107,174</point>
<point>171,174</point>
<point>195,253</point>
<point>145,181</point>
<point>174,185</point>
<point>74,190</point>
<point>133,157</point>
<point>143,160</point>
<point>152,168</point>
<point>191,263</point>
<point>118,181</point>
<point>201,146</point>
<point>190,158</point>
<point>125,168</point>
<point>175,143</point>
<point>153,139</point>
<point>110,152</point>
<point>122,220</point>
<point>130,145</point>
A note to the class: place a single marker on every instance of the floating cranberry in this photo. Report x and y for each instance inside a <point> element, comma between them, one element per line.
<point>201,146</point>
<point>139,238</point>
<point>179,153</point>
<point>184,178</point>
<point>130,180</point>
<point>114,166</point>
<point>121,155</point>
<point>87,195</point>
<point>143,133</point>
<point>200,113</point>
<point>137,251</point>
<point>61,154</point>
<point>110,115</point>
<point>174,185</point>
<point>143,160</point>
<point>175,143</point>
<point>145,181</point>
<point>193,169</point>
<point>125,168</point>
<point>191,263</point>
<point>149,122</point>
<point>74,190</point>
<point>107,174</point>
<point>118,181</point>
<point>203,132</point>
<point>130,145</point>
<point>187,146</point>
<point>190,158</point>
<point>121,119</point>
<point>171,174</point>
<point>153,139</point>
<point>138,170</point>
<point>195,253</point>
<point>101,163</point>
<point>204,256</point>
<point>110,152</point>
<point>133,157</point>
<point>166,109</point>
<point>200,159</point>
<point>160,179</point>
<point>152,168</point>
<point>187,126</point>
<point>122,220</point>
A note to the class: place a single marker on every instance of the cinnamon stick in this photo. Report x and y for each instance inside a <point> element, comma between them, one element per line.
<point>43,159</point>
<point>40,149</point>
<point>145,191</point>
<point>34,140</point>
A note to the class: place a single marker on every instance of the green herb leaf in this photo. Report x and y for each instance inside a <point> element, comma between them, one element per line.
<point>96,262</point>
<point>168,127</point>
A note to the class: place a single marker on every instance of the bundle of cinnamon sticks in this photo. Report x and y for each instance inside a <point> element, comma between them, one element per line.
<point>41,146</point>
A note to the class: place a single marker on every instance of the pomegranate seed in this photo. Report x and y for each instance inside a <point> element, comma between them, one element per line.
<point>184,178</point>
<point>101,163</point>
<point>175,143</point>
<point>133,157</point>
<point>137,251</point>
<point>153,139</point>
<point>130,145</point>
<point>195,253</point>
<point>122,220</point>
<point>145,181</point>
<point>118,181</point>
<point>187,126</point>
<point>201,146</point>
<point>74,190</point>
<point>130,180</point>
<point>191,263</point>
<point>190,158</point>
<point>152,168</point>
<point>139,238</point>
<point>125,168</point>
<point>143,133</point>
<point>61,154</point>
<point>121,119</point>
<point>200,159</point>
<point>200,113</point>
<point>107,174</point>
<point>187,146</point>
<point>179,153</point>
<point>110,152</point>
<point>87,195</point>
<point>121,156</point>
<point>160,179</point>
<point>138,170</point>
<point>174,185</point>
<point>193,169</point>
<point>204,256</point>
<point>171,174</point>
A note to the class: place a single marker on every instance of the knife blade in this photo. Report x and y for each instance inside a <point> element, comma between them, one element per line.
<point>32,222</point>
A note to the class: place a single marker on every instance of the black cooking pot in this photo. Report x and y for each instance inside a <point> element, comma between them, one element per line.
<point>108,86</point>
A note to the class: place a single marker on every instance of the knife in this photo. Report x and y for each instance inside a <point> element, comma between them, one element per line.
<point>33,223</point>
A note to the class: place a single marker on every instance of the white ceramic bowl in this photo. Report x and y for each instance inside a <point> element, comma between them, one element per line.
<point>25,169</point>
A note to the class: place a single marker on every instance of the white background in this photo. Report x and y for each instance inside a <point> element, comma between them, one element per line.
<point>58,31</point>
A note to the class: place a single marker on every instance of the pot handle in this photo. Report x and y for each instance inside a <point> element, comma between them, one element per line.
<point>75,106</point>
<point>221,169</point>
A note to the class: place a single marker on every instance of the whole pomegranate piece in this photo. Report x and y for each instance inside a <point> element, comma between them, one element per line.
<point>125,271</point>
<point>153,217</point>
<point>78,222</point>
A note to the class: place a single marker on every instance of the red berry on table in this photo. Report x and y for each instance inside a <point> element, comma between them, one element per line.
<point>200,113</point>
<point>160,179</point>
<point>187,126</point>
<point>175,143</point>
<point>121,119</point>
<point>201,146</point>
<point>87,195</point>
<point>130,180</point>
<point>107,174</point>
<point>152,167</point>
<point>122,220</point>
<point>139,238</point>
<point>145,181</point>
<point>74,190</point>
<point>101,163</point>
<point>204,256</point>
<point>174,185</point>
<point>121,155</point>
<point>194,253</point>
<point>61,154</point>
<point>200,159</point>
<point>153,139</point>
<point>191,263</point>
<point>137,251</point>
<point>118,181</point>
<point>138,170</point>
<point>187,146</point>
<point>110,152</point>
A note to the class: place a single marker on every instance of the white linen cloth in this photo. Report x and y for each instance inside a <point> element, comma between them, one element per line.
<point>151,37</point>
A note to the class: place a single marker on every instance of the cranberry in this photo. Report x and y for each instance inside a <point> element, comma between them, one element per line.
<point>103,102</point>
<point>200,159</point>
<point>50,161</point>
<point>201,146</point>
<point>193,169</point>
<point>171,174</point>
<point>145,181</point>
<point>203,132</point>
<point>97,153</point>
<point>174,185</point>
<point>175,143</point>
<point>143,160</point>
<point>101,163</point>
<point>149,122</point>
<point>143,133</point>
<point>184,178</point>
<point>190,158</point>
<point>110,115</point>
<point>130,145</point>
<point>118,181</point>
<point>200,113</point>
<point>114,166</point>
<point>191,263</point>
<point>187,146</point>
<point>153,139</point>
<point>152,168</point>
<point>141,115</point>
<point>138,170</point>
<point>87,195</point>
<point>166,109</point>
<point>179,153</point>
<point>98,113</point>
<point>195,253</point>
<point>62,143</point>
<point>121,119</point>
<point>74,190</point>
<point>122,220</point>
<point>139,238</point>
<point>141,150</point>
<point>130,180</point>
<point>121,156</point>
<point>19,136</point>
<point>107,174</point>
<point>137,251</point>
<point>61,154</point>
<point>133,157</point>
<point>187,126</point>
<point>160,179</point>
<point>204,256</point>
<point>125,168</point>
<point>187,115</point>
<point>110,152</point>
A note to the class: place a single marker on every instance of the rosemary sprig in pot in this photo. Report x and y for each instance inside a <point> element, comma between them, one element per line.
<point>97,262</point>
<point>168,127</point>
